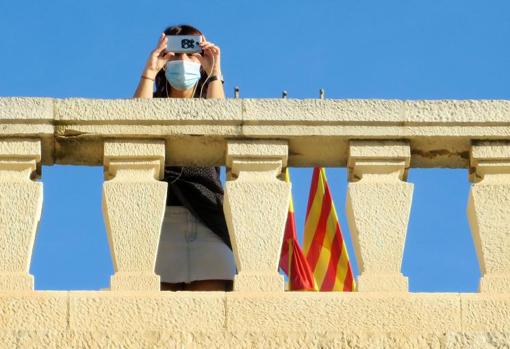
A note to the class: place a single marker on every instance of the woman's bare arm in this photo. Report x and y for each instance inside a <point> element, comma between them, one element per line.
<point>211,62</point>
<point>156,61</point>
<point>145,87</point>
<point>215,90</point>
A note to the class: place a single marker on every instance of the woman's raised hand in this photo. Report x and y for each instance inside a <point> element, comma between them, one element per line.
<point>158,58</point>
<point>211,54</point>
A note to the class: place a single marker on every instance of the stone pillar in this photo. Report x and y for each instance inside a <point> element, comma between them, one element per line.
<point>20,210</point>
<point>378,208</point>
<point>134,202</point>
<point>489,213</point>
<point>256,206</point>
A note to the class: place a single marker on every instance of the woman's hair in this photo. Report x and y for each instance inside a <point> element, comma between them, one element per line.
<point>162,85</point>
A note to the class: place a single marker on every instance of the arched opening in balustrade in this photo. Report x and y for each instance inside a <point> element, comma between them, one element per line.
<point>71,247</point>
<point>439,254</point>
<point>301,179</point>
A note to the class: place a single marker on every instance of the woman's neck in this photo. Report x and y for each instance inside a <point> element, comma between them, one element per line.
<point>180,94</point>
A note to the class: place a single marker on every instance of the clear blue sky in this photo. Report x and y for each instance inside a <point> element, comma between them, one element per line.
<point>405,49</point>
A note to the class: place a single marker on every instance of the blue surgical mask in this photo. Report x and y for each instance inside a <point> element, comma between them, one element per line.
<point>182,75</point>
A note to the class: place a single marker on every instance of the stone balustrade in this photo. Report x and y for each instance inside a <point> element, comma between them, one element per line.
<point>377,140</point>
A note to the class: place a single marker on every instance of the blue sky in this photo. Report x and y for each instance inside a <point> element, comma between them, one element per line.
<point>404,49</point>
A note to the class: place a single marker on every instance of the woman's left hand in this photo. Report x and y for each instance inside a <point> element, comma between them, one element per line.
<point>210,54</point>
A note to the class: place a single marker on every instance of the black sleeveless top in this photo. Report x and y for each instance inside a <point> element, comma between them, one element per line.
<point>199,190</point>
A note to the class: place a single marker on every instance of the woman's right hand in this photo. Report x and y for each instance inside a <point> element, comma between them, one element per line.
<point>158,58</point>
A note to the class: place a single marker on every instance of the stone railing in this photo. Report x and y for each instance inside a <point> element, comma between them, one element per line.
<point>377,140</point>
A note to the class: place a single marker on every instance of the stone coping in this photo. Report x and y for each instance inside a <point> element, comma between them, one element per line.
<point>247,317</point>
<point>255,311</point>
<point>73,130</point>
<point>308,111</point>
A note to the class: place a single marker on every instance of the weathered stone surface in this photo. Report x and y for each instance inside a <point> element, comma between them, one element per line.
<point>24,148</point>
<point>47,339</point>
<point>316,111</point>
<point>486,312</point>
<point>477,340</point>
<point>8,339</point>
<point>313,133</point>
<point>274,339</point>
<point>26,108</point>
<point>20,210</point>
<point>318,131</point>
<point>133,206</point>
<point>22,117</point>
<point>255,320</point>
<point>256,207</point>
<point>378,150</point>
<point>376,110</point>
<point>128,339</point>
<point>135,153</point>
<point>457,111</point>
<point>11,281</point>
<point>489,213</point>
<point>378,215</point>
<point>33,310</point>
<point>257,150</point>
<point>133,212</point>
<point>146,111</point>
<point>489,151</point>
<point>343,312</point>
<point>284,339</point>
<point>392,340</point>
<point>133,311</point>
<point>489,217</point>
<point>378,208</point>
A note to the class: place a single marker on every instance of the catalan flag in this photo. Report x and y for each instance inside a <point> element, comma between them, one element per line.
<point>292,260</point>
<point>323,243</point>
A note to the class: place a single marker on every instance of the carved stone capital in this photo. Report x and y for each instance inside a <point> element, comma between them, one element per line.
<point>378,157</point>
<point>268,156</point>
<point>489,158</point>
<point>136,154</point>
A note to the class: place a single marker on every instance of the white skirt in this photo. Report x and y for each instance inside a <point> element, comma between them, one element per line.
<point>190,251</point>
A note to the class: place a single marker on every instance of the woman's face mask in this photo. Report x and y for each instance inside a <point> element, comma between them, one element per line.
<point>182,75</point>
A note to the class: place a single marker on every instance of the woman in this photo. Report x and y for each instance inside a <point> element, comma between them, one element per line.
<point>194,251</point>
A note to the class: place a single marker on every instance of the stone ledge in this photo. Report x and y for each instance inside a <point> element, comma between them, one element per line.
<point>26,108</point>
<point>350,312</point>
<point>318,131</point>
<point>486,312</point>
<point>93,319</point>
<point>255,111</point>
<point>179,311</point>
<point>28,310</point>
<point>160,339</point>
<point>147,111</point>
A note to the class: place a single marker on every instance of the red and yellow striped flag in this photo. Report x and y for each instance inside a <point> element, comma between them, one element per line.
<point>292,259</point>
<point>323,243</point>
